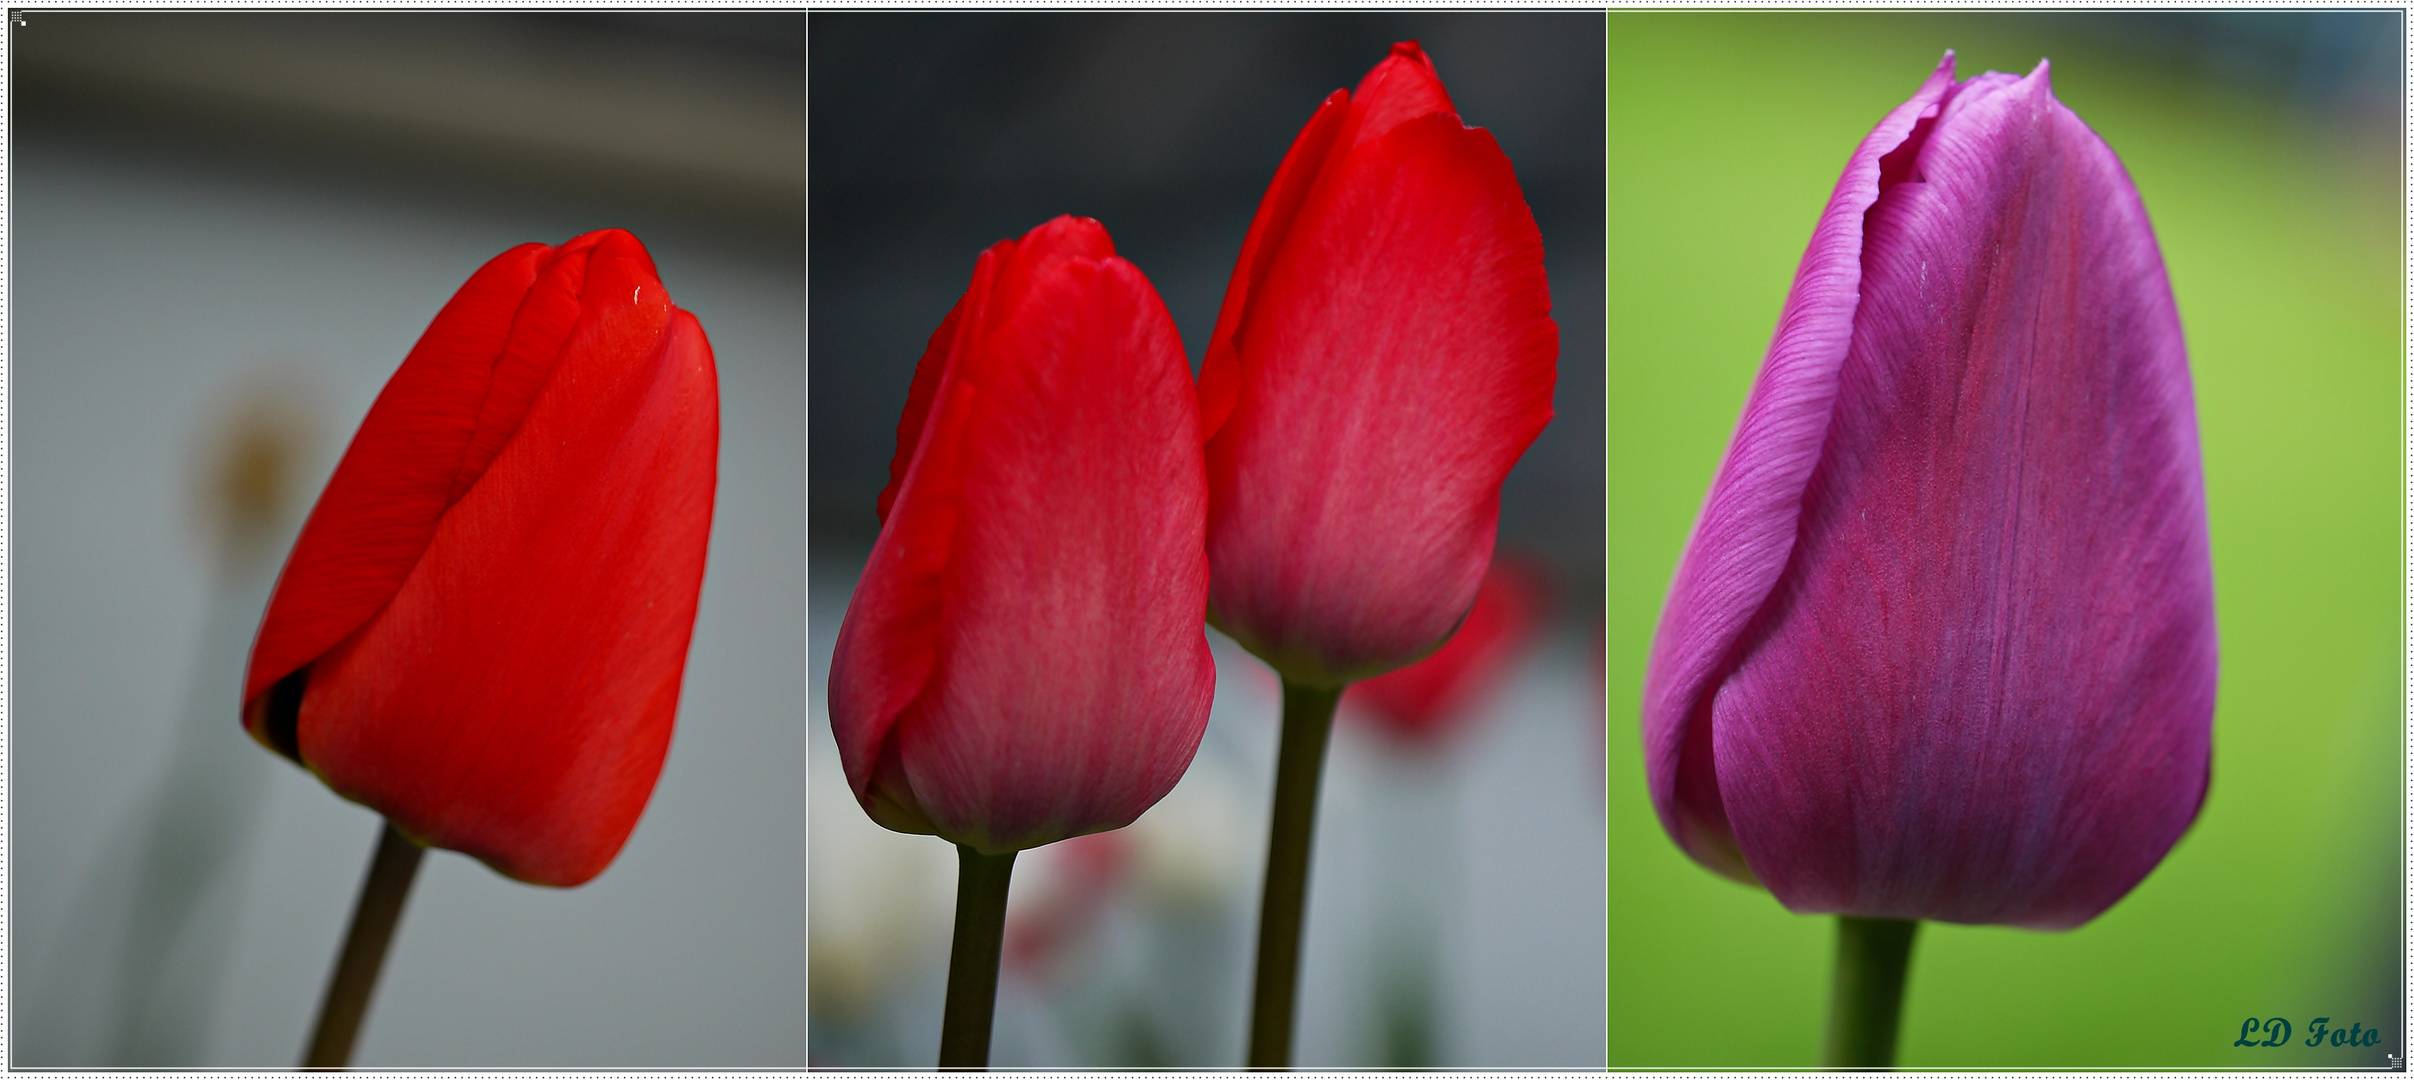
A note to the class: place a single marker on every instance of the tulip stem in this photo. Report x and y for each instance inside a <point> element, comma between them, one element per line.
<point>972,968</point>
<point>1873,957</point>
<point>1307,724</point>
<point>374,916</point>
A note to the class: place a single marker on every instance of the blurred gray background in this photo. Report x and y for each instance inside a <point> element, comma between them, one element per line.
<point>227,231</point>
<point>1456,895</point>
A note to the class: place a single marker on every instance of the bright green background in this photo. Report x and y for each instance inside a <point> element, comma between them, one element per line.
<point>2283,238</point>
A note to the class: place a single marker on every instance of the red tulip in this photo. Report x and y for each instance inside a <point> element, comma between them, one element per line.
<point>1024,658</point>
<point>1428,699</point>
<point>1385,353</point>
<point>1942,645</point>
<point>481,630</point>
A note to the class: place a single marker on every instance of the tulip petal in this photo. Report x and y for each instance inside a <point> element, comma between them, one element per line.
<point>1400,89</point>
<point>1982,689</point>
<point>888,643</point>
<point>599,266</point>
<point>1397,357</point>
<point>1745,534</point>
<point>1220,371</point>
<point>918,398</point>
<point>1072,649</point>
<point>1062,238</point>
<point>393,483</point>
<point>527,730</point>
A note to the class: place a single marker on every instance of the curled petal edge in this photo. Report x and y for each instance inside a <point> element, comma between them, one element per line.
<point>1745,532</point>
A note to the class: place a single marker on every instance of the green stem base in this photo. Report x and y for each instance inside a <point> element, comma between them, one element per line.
<point>972,967</point>
<point>1307,724</point>
<point>1873,959</point>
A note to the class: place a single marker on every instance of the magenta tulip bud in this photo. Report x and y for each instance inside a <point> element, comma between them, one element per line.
<point>1942,644</point>
<point>1025,658</point>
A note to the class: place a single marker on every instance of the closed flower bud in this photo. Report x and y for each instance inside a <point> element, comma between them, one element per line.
<point>1025,657</point>
<point>1942,644</point>
<point>481,631</point>
<point>1384,354</point>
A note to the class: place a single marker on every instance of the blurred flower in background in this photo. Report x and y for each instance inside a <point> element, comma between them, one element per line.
<point>1428,700</point>
<point>1417,714</point>
<point>194,191</point>
<point>937,134</point>
<point>263,427</point>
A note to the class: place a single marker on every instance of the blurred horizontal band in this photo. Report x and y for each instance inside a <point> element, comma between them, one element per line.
<point>557,105</point>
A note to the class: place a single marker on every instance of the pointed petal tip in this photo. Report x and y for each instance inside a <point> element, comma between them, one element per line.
<point>1069,235</point>
<point>1943,73</point>
<point>1402,87</point>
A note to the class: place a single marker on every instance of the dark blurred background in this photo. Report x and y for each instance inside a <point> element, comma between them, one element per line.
<point>936,135</point>
<point>226,230</point>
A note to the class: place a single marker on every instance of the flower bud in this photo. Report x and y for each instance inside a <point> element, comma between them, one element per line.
<point>1942,644</point>
<point>1384,354</point>
<point>1025,657</point>
<point>482,628</point>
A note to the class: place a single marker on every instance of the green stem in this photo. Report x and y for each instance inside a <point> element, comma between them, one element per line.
<point>364,953</point>
<point>1873,957</point>
<point>1307,723</point>
<point>972,968</point>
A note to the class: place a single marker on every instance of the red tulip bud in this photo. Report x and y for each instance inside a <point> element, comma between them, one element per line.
<point>1024,658</point>
<point>481,631</point>
<point>1384,354</point>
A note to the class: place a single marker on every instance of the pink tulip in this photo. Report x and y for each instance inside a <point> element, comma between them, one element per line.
<point>1384,354</point>
<point>1942,645</point>
<point>1025,659</point>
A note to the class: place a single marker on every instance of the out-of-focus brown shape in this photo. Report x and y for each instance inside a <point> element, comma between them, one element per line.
<point>253,451</point>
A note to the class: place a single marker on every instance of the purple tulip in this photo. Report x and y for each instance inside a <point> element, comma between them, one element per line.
<point>1942,644</point>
